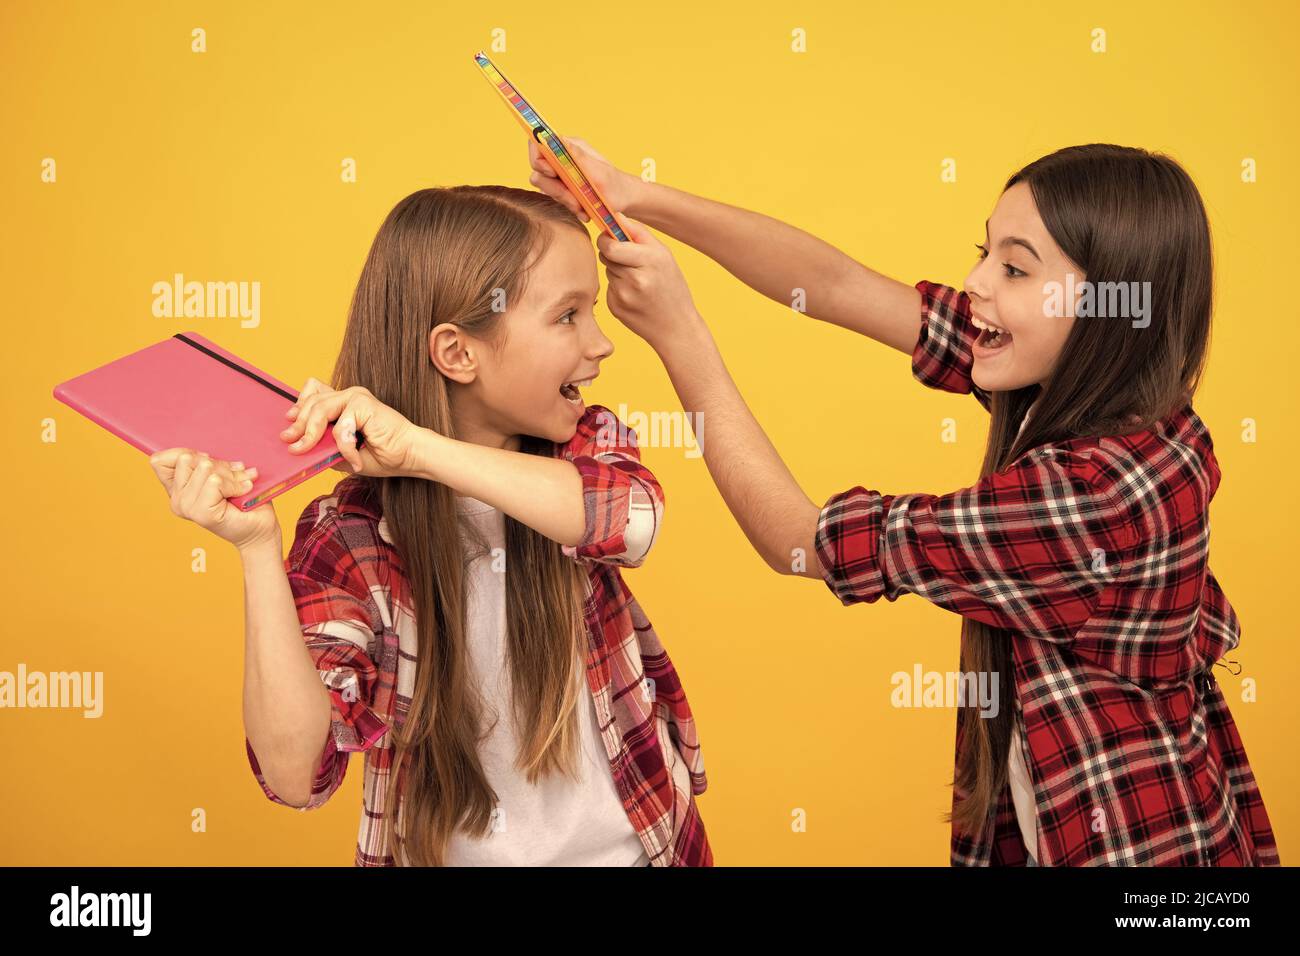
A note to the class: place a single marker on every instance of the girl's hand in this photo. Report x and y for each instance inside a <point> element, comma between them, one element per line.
<point>389,437</point>
<point>198,487</point>
<point>647,291</point>
<point>616,186</point>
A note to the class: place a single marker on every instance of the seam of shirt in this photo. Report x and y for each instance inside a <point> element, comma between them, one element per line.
<point>1108,490</point>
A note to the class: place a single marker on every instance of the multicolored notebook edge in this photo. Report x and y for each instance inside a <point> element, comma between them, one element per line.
<point>564,164</point>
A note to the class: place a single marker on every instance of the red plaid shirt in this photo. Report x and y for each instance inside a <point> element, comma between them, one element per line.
<point>1133,755</point>
<point>353,602</point>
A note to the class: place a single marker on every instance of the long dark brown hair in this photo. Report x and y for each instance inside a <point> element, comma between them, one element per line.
<point>1119,214</point>
<point>446,255</point>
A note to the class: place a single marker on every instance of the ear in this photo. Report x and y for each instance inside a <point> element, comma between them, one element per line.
<point>453,353</point>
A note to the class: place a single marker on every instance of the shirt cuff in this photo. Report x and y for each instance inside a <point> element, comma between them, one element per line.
<point>848,545</point>
<point>944,353</point>
<point>354,725</point>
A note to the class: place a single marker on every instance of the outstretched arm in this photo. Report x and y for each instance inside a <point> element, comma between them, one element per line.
<point>768,255</point>
<point>775,258</point>
<point>1030,548</point>
<point>543,493</point>
<point>778,518</point>
<point>593,496</point>
<point>649,295</point>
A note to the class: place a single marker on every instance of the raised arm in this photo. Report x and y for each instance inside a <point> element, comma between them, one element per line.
<point>768,503</point>
<point>768,255</point>
<point>775,258</point>
<point>594,496</point>
<point>1031,547</point>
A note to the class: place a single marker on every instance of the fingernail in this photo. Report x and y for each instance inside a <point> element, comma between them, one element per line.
<point>292,412</point>
<point>252,472</point>
<point>236,464</point>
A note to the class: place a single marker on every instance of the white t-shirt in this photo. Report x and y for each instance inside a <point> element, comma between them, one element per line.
<point>1022,792</point>
<point>555,822</point>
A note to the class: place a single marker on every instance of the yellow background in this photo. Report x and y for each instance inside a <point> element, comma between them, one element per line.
<point>225,165</point>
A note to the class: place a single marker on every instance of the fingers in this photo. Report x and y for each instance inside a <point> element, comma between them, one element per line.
<point>234,478</point>
<point>201,481</point>
<point>345,437</point>
<point>633,228</point>
<point>552,187</point>
<point>318,417</point>
<point>184,468</point>
<point>163,464</point>
<point>613,269</point>
<point>313,415</point>
<point>638,232</point>
<point>582,147</point>
<point>635,253</point>
<point>545,179</point>
<point>537,162</point>
<point>312,387</point>
<point>624,261</point>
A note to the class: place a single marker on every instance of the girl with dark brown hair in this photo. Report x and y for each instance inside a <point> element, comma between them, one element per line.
<point>1079,558</point>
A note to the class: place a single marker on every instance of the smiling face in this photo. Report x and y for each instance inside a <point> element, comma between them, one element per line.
<point>525,379</point>
<point>1008,288</point>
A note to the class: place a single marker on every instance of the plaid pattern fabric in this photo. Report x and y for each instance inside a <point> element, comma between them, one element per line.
<point>1093,553</point>
<point>354,607</point>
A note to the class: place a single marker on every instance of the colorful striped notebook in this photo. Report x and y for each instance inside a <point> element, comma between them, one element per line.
<point>553,151</point>
<point>189,392</point>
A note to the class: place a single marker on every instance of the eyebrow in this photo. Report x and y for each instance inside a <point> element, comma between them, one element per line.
<point>574,295</point>
<point>1013,241</point>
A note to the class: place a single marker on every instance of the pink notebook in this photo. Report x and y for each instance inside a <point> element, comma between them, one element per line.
<point>189,392</point>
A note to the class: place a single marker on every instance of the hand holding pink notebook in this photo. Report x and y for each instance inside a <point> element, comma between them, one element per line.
<point>188,392</point>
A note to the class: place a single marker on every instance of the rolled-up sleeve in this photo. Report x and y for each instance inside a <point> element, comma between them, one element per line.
<point>944,352</point>
<point>623,502</point>
<point>1031,548</point>
<point>344,639</point>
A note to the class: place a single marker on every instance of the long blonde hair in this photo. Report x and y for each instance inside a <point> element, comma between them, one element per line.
<point>440,256</point>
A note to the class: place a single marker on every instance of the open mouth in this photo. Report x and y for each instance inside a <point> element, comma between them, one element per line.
<point>991,338</point>
<point>570,390</point>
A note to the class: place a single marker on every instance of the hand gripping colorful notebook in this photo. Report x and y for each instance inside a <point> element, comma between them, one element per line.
<point>553,151</point>
<point>188,392</point>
